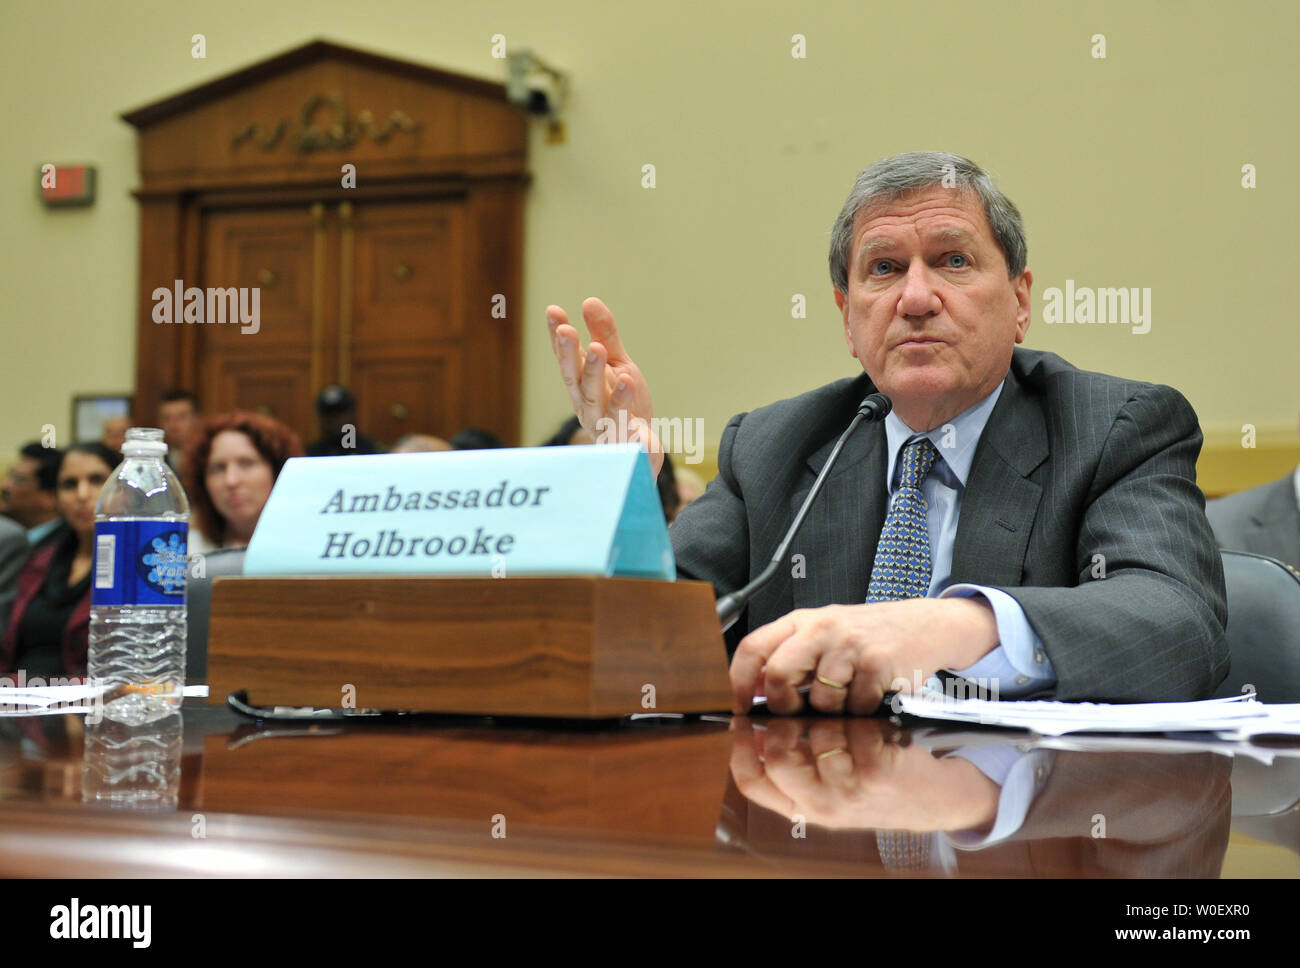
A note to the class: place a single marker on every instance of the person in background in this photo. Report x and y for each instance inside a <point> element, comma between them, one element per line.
<point>29,493</point>
<point>689,485</point>
<point>13,552</point>
<point>570,432</point>
<point>233,463</point>
<point>420,444</point>
<point>178,416</point>
<point>113,433</point>
<point>336,411</point>
<point>475,438</point>
<point>1264,520</point>
<point>46,634</point>
<point>666,483</point>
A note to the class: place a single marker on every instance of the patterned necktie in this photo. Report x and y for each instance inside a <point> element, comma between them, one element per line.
<point>902,566</point>
<point>903,852</point>
<point>902,570</point>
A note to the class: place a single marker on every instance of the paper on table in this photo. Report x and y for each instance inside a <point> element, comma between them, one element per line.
<point>1283,719</point>
<point>940,739</point>
<point>53,700</point>
<point>1196,743</point>
<point>1047,718</point>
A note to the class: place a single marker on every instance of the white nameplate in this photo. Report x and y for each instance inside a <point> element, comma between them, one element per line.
<point>590,510</point>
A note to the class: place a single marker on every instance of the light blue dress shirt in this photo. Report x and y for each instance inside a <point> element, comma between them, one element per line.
<point>37,534</point>
<point>1021,776</point>
<point>1019,665</point>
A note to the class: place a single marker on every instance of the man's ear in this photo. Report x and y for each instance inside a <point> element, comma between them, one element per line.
<point>1024,304</point>
<point>843,303</point>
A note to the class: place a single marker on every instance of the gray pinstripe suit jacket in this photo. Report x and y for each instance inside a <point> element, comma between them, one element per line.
<point>1264,519</point>
<point>1071,465</point>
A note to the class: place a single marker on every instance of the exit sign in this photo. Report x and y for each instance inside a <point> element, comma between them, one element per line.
<point>67,184</point>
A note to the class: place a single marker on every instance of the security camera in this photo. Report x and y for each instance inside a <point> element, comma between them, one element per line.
<point>534,85</point>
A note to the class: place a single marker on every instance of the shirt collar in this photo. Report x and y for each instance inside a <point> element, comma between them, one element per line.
<point>37,534</point>
<point>956,440</point>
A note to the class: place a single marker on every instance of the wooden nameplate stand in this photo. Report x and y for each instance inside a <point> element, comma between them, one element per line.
<point>581,647</point>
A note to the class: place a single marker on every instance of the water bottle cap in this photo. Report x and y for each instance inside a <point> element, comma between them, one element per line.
<point>144,442</point>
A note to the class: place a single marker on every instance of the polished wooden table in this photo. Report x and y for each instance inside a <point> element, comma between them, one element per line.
<point>216,794</point>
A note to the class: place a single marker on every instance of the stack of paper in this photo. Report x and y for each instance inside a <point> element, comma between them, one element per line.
<point>1237,717</point>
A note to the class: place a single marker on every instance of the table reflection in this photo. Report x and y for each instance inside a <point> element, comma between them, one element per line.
<point>762,795</point>
<point>975,803</point>
<point>132,766</point>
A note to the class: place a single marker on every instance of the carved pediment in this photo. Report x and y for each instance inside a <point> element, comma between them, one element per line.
<point>300,114</point>
<point>324,124</point>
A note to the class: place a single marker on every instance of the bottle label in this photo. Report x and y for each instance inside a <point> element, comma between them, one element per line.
<point>140,563</point>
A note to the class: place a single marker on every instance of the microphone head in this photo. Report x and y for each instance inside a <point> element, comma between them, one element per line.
<point>876,406</point>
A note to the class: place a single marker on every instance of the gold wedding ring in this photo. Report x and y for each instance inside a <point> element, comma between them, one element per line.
<point>832,683</point>
<point>825,753</point>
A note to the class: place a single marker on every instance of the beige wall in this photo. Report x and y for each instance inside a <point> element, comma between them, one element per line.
<point>1126,169</point>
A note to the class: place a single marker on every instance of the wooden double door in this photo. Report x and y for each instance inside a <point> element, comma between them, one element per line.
<point>370,294</point>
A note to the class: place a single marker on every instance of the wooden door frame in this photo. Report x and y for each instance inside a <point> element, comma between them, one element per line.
<point>484,161</point>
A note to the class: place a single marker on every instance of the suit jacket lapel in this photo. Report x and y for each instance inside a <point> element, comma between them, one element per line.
<point>1000,502</point>
<point>838,541</point>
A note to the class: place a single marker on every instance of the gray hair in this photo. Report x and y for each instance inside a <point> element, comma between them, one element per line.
<point>891,178</point>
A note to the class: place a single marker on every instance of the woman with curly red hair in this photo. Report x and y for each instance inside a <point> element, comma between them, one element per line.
<point>230,468</point>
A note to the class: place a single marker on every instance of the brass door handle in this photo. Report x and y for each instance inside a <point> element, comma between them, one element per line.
<point>267,277</point>
<point>402,271</point>
<point>400,411</point>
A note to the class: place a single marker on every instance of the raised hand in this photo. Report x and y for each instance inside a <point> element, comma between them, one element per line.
<point>602,380</point>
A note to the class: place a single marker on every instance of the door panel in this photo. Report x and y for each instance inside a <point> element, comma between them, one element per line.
<point>403,335</point>
<point>267,368</point>
<point>271,387</point>
<point>410,271</point>
<point>402,393</point>
<point>372,294</point>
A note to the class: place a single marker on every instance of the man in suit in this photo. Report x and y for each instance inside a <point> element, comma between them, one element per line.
<point>13,553</point>
<point>1264,519</point>
<point>1013,520</point>
<point>181,423</point>
<point>28,494</point>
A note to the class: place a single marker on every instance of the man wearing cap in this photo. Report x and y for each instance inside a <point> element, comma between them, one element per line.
<point>336,410</point>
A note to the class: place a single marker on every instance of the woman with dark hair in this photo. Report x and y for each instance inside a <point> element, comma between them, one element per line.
<point>569,432</point>
<point>47,632</point>
<point>475,438</point>
<point>230,468</point>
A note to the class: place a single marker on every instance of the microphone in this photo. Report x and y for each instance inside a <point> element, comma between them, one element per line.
<point>875,407</point>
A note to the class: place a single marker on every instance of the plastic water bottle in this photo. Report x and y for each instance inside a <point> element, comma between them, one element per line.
<point>133,766</point>
<point>137,604</point>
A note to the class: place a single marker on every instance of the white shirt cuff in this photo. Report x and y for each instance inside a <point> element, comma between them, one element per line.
<point>1021,777</point>
<point>1019,665</point>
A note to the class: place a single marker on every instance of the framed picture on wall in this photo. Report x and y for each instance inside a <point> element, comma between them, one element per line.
<point>90,411</point>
